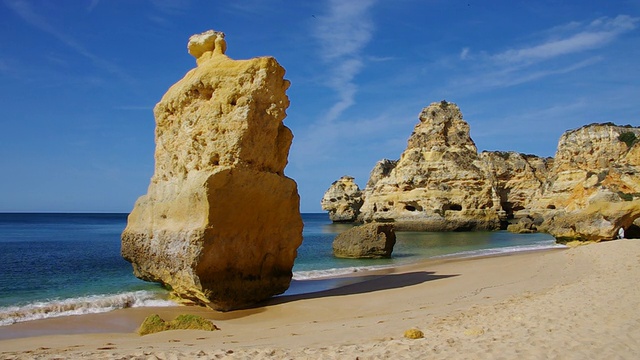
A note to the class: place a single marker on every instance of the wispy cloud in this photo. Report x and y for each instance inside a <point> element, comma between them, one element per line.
<point>343,32</point>
<point>27,12</point>
<point>163,10</point>
<point>171,7</point>
<point>592,36</point>
<point>511,76</point>
<point>92,5</point>
<point>563,49</point>
<point>464,54</point>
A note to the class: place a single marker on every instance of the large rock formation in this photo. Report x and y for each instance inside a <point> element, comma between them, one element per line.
<point>342,200</point>
<point>438,184</point>
<point>220,224</point>
<point>589,191</point>
<point>593,188</point>
<point>517,178</point>
<point>368,241</point>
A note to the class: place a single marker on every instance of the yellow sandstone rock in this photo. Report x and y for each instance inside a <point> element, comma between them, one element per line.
<point>439,183</point>
<point>413,334</point>
<point>220,223</point>
<point>593,188</point>
<point>342,200</point>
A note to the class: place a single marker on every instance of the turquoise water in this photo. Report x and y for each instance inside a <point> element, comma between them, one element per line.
<point>315,257</point>
<point>66,264</point>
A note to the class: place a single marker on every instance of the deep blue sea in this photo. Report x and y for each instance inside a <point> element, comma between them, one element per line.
<point>67,264</point>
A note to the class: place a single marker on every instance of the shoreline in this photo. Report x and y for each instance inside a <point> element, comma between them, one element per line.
<point>575,302</point>
<point>302,282</point>
<point>299,289</point>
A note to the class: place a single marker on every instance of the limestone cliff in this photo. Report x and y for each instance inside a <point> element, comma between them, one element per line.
<point>517,178</point>
<point>594,186</point>
<point>588,191</point>
<point>439,183</point>
<point>342,200</point>
<point>220,223</point>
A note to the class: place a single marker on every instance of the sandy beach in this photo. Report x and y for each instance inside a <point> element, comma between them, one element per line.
<point>575,303</point>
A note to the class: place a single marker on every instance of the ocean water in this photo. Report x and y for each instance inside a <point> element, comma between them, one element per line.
<point>67,264</point>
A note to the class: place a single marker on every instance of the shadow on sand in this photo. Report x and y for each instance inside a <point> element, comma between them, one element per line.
<point>319,288</point>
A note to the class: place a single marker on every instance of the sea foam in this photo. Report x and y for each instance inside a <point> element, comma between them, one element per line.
<point>334,272</point>
<point>502,250</point>
<point>92,304</point>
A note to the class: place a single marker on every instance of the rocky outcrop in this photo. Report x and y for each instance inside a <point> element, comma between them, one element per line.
<point>220,223</point>
<point>343,200</point>
<point>438,184</point>
<point>593,188</point>
<point>524,225</point>
<point>517,178</point>
<point>587,192</point>
<point>368,241</point>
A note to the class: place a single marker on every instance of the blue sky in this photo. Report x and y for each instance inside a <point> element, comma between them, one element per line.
<point>79,79</point>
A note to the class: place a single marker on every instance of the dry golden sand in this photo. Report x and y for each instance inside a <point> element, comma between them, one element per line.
<point>579,303</point>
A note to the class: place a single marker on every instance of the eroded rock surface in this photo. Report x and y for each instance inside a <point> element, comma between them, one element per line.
<point>368,241</point>
<point>220,223</point>
<point>517,178</point>
<point>593,188</point>
<point>587,192</point>
<point>439,183</point>
<point>342,200</point>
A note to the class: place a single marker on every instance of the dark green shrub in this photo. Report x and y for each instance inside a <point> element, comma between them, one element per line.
<point>628,138</point>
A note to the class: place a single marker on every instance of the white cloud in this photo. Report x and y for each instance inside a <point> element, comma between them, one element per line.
<point>564,49</point>
<point>464,54</point>
<point>511,76</point>
<point>346,29</point>
<point>342,33</point>
<point>595,35</point>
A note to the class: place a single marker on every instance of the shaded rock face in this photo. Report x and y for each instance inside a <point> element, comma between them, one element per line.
<point>438,184</point>
<point>368,241</point>
<point>220,223</point>
<point>342,200</point>
<point>593,188</point>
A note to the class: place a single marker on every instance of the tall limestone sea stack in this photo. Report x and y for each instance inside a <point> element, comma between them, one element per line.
<point>220,224</point>
<point>342,200</point>
<point>438,184</point>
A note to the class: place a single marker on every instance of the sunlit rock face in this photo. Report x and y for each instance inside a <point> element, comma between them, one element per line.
<point>517,179</point>
<point>220,223</point>
<point>342,200</point>
<point>438,184</point>
<point>589,190</point>
<point>593,188</point>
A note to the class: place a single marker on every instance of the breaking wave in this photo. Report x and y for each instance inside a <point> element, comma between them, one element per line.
<point>329,273</point>
<point>503,250</point>
<point>91,304</point>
